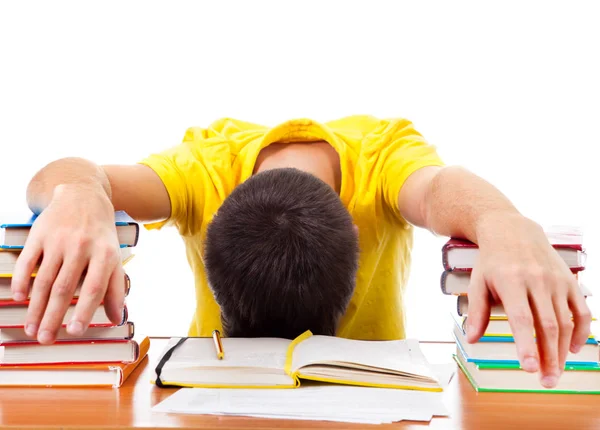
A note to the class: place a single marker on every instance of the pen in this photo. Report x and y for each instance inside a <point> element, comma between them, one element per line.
<point>218,344</point>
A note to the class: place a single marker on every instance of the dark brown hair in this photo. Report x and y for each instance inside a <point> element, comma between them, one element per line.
<point>281,256</point>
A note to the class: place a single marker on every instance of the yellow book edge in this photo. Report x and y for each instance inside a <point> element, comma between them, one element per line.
<point>591,336</point>
<point>503,318</point>
<point>297,376</point>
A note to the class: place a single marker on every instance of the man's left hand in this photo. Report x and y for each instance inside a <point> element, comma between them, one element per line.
<point>518,267</point>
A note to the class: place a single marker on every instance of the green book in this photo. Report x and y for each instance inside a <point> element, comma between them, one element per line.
<point>510,378</point>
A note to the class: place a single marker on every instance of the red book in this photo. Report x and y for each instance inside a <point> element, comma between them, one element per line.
<point>68,352</point>
<point>461,255</point>
<point>121,332</point>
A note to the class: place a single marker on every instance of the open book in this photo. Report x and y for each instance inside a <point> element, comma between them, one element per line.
<point>281,363</point>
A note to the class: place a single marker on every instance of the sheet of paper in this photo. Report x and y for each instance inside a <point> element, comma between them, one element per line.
<point>444,372</point>
<point>324,402</point>
<point>401,355</point>
<point>310,418</point>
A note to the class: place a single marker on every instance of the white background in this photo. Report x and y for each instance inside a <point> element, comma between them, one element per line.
<point>510,90</point>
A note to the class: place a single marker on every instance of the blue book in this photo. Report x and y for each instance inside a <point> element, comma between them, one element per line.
<point>502,350</point>
<point>14,232</point>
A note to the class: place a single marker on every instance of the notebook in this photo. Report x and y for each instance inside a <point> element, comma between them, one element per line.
<point>14,232</point>
<point>281,363</point>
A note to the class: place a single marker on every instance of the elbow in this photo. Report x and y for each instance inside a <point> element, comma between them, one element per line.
<point>71,170</point>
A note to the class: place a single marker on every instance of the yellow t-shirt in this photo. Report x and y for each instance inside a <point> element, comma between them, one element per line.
<point>376,157</point>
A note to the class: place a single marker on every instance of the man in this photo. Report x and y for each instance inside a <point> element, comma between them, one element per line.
<point>279,252</point>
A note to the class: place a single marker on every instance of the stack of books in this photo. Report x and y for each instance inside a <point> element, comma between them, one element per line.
<point>492,364</point>
<point>105,355</point>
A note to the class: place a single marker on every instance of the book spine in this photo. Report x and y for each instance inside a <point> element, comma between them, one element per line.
<point>127,284</point>
<point>66,343</point>
<point>125,315</point>
<point>443,281</point>
<point>62,325</point>
<point>445,257</point>
<point>137,234</point>
<point>136,350</point>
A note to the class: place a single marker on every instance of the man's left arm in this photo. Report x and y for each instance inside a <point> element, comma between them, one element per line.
<point>517,265</point>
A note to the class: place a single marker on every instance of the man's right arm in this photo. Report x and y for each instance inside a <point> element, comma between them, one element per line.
<point>75,236</point>
<point>135,189</point>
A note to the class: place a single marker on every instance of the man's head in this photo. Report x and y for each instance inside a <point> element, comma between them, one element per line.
<point>281,256</point>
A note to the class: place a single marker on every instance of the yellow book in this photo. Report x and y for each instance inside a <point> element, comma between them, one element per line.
<point>497,327</point>
<point>281,363</point>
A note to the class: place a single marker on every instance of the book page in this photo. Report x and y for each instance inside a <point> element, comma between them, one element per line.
<point>398,355</point>
<point>201,352</point>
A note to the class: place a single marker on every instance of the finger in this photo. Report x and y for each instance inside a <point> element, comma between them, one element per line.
<point>520,319</point>
<point>92,292</point>
<point>40,291</point>
<point>24,267</point>
<point>582,317</point>
<point>479,307</point>
<point>565,327</point>
<point>115,296</point>
<point>61,296</point>
<point>547,334</point>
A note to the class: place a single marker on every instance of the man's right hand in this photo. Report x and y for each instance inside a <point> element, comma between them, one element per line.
<point>74,237</point>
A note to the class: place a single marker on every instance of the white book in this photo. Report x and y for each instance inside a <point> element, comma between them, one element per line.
<point>8,260</point>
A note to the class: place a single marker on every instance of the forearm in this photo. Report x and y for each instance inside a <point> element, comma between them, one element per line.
<point>461,204</point>
<point>66,171</point>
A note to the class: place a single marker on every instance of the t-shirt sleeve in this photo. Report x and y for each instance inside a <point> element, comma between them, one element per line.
<point>185,176</point>
<point>403,152</point>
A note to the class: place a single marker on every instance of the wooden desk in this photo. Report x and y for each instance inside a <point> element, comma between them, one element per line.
<point>130,407</point>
